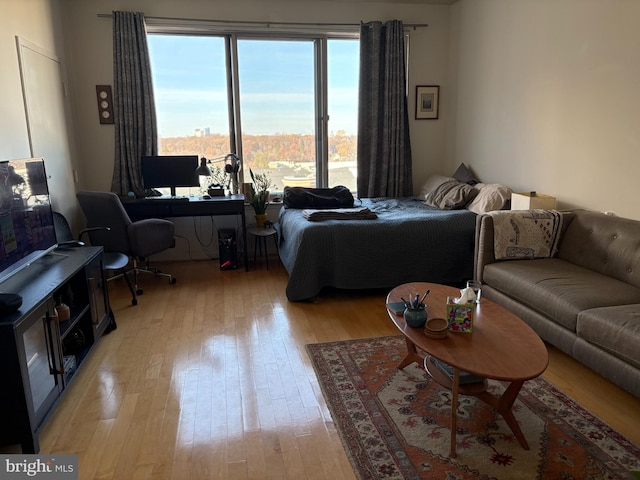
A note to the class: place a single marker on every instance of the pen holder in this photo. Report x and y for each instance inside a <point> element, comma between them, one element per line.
<point>416,317</point>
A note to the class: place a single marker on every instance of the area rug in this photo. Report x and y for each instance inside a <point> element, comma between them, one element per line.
<point>394,424</point>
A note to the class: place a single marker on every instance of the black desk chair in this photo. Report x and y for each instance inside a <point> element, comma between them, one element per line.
<point>138,240</point>
<point>111,261</point>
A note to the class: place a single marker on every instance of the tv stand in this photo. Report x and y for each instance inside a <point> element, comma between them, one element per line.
<point>40,350</point>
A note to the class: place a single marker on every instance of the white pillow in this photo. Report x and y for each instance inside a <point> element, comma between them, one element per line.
<point>493,196</point>
<point>433,181</point>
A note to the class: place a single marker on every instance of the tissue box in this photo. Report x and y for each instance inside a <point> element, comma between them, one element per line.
<point>460,316</point>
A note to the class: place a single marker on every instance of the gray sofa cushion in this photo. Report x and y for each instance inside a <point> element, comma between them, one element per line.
<point>558,289</point>
<point>614,329</point>
<point>606,244</point>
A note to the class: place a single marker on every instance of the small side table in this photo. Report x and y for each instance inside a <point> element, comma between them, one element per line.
<point>261,234</point>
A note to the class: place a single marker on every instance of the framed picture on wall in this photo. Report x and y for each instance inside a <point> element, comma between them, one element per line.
<point>427,102</point>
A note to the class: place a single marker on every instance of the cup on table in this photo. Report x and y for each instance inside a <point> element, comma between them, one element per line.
<point>476,287</point>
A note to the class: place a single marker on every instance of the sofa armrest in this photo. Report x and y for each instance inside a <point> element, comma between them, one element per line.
<point>484,253</point>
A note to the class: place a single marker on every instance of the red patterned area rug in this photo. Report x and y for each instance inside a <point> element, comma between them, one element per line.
<point>394,424</point>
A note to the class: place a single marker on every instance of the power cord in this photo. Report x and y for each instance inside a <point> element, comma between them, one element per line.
<point>197,234</point>
<point>211,241</point>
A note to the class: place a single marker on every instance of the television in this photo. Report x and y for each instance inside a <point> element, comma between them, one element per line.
<point>170,171</point>
<point>26,219</point>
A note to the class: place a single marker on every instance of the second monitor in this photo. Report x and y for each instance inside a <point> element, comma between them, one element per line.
<point>170,171</point>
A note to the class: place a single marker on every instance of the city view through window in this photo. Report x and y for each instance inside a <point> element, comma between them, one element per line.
<point>277,100</point>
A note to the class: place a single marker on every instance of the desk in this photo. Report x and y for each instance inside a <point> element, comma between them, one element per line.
<point>192,207</point>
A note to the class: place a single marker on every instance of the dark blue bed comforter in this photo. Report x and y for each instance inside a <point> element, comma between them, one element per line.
<point>408,242</point>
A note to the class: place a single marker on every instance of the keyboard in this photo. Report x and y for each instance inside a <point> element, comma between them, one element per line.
<point>167,198</point>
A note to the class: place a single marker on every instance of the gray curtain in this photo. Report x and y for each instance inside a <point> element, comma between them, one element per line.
<point>134,108</point>
<point>384,148</point>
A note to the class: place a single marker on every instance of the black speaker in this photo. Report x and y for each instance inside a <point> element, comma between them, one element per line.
<point>228,249</point>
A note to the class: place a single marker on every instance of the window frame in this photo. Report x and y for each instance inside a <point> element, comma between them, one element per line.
<point>320,36</point>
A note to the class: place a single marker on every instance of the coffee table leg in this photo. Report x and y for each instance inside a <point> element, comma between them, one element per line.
<point>454,410</point>
<point>412,355</point>
<point>503,407</point>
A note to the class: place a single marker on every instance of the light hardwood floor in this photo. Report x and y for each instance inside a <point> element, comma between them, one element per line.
<point>209,379</point>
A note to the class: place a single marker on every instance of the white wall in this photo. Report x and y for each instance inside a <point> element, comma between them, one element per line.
<point>38,23</point>
<point>547,98</point>
<point>429,64</point>
<point>32,20</point>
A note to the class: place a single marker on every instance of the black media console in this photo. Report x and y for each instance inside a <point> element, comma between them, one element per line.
<point>40,350</point>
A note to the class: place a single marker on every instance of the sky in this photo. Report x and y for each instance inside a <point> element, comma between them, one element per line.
<point>276,85</point>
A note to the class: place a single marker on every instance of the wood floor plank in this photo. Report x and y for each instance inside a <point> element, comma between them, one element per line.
<point>153,428</point>
<point>88,464</point>
<point>291,456</point>
<point>114,454</point>
<point>210,378</point>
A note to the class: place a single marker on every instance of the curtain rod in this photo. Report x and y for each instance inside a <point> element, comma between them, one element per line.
<point>265,23</point>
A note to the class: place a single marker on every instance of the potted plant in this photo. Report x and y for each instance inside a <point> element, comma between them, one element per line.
<point>260,195</point>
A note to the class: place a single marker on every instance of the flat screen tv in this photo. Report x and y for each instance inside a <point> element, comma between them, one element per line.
<point>26,219</point>
<point>170,171</point>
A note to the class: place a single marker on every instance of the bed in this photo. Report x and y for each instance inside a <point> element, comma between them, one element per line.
<point>408,241</point>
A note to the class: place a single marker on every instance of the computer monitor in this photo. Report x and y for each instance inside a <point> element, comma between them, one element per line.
<point>170,171</point>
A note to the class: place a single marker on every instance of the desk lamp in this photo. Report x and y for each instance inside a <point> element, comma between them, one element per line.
<point>203,170</point>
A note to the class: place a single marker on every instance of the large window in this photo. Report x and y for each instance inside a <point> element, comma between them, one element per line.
<point>287,105</point>
<point>277,109</point>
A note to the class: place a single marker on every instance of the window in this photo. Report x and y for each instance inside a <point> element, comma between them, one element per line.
<point>190,89</point>
<point>342,85</point>
<point>276,79</point>
<point>286,104</point>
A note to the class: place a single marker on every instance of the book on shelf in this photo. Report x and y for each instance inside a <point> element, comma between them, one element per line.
<point>464,378</point>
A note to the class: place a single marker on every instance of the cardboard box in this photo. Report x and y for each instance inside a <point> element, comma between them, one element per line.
<point>532,201</point>
<point>460,316</point>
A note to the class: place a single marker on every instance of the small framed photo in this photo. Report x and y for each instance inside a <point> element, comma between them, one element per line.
<point>427,102</point>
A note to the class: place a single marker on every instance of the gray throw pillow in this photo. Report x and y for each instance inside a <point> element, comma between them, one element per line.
<point>465,175</point>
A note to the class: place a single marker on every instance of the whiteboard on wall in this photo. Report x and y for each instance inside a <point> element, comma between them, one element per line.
<point>44,102</point>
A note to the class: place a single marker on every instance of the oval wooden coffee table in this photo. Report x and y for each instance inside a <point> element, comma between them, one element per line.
<point>501,347</point>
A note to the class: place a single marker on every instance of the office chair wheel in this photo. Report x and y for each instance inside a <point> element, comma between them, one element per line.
<point>139,291</point>
<point>172,281</point>
<point>134,302</point>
